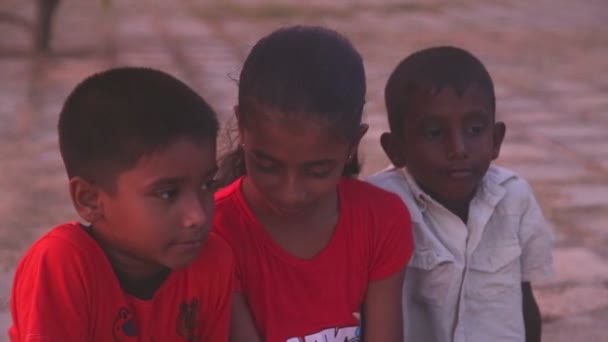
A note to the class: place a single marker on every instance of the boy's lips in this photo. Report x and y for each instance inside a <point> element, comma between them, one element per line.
<point>189,242</point>
<point>290,210</point>
<point>459,173</point>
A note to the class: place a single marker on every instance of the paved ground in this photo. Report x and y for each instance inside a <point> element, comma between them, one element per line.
<point>549,60</point>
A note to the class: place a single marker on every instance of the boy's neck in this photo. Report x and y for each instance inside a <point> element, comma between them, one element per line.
<point>458,207</point>
<point>137,277</point>
<point>142,287</point>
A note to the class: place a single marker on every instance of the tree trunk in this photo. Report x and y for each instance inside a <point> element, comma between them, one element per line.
<point>46,9</point>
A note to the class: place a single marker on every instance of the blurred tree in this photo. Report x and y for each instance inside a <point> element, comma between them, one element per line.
<point>44,21</point>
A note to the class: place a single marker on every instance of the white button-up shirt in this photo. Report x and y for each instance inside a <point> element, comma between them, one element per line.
<point>463,283</point>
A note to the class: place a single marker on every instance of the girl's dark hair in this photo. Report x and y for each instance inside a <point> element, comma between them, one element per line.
<point>302,70</point>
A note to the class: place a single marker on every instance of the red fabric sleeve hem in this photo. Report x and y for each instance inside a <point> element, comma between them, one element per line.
<point>383,274</point>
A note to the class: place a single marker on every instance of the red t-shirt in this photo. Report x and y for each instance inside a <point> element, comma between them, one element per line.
<point>66,290</point>
<point>318,299</point>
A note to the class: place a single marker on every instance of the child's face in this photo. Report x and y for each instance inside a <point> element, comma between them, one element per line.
<point>293,164</point>
<point>448,142</point>
<point>161,210</point>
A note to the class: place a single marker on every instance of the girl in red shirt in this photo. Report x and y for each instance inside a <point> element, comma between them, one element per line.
<point>320,255</point>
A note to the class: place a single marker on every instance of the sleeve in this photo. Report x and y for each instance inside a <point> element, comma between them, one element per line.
<point>217,316</point>
<point>536,239</point>
<point>49,300</point>
<point>392,242</point>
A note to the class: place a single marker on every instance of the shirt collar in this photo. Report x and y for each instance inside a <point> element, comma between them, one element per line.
<point>491,189</point>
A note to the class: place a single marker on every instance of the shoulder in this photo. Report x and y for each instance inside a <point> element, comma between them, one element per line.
<point>394,180</point>
<point>518,193</point>
<point>228,194</point>
<point>229,214</point>
<point>228,207</point>
<point>391,179</point>
<point>63,243</point>
<point>367,195</point>
<point>65,255</point>
<point>370,206</point>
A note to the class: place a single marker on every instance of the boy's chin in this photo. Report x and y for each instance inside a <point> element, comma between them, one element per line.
<point>179,265</point>
<point>181,262</point>
<point>454,194</point>
<point>462,196</point>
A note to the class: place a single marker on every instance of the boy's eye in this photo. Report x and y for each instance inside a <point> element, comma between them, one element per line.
<point>433,132</point>
<point>210,185</point>
<point>166,195</point>
<point>475,129</point>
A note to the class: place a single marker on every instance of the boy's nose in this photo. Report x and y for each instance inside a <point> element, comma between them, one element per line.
<point>456,147</point>
<point>196,214</point>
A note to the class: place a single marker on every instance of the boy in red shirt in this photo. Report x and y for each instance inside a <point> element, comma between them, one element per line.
<point>139,149</point>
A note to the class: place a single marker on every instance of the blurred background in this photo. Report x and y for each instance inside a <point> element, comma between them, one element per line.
<point>548,58</point>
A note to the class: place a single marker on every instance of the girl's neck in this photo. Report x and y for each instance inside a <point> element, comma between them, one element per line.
<point>314,215</point>
<point>304,235</point>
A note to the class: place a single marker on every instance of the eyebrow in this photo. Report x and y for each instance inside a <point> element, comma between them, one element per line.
<point>477,113</point>
<point>312,163</point>
<point>262,155</point>
<point>431,117</point>
<point>174,180</point>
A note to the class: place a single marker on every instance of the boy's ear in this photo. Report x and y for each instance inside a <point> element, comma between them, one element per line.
<point>392,149</point>
<point>500,129</point>
<point>86,198</point>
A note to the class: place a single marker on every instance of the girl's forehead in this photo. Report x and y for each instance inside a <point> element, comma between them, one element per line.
<point>264,117</point>
<point>293,129</point>
<point>306,140</point>
<point>255,111</point>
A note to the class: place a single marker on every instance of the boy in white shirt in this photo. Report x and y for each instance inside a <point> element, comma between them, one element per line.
<point>480,235</point>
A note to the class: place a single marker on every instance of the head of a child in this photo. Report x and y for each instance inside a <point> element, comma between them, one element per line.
<point>139,149</point>
<point>300,104</point>
<point>441,112</point>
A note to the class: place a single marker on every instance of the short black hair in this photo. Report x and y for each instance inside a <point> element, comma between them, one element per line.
<point>113,118</point>
<point>304,70</point>
<point>428,71</point>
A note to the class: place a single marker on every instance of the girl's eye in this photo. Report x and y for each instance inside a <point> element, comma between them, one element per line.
<point>319,173</point>
<point>265,168</point>
<point>166,195</point>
